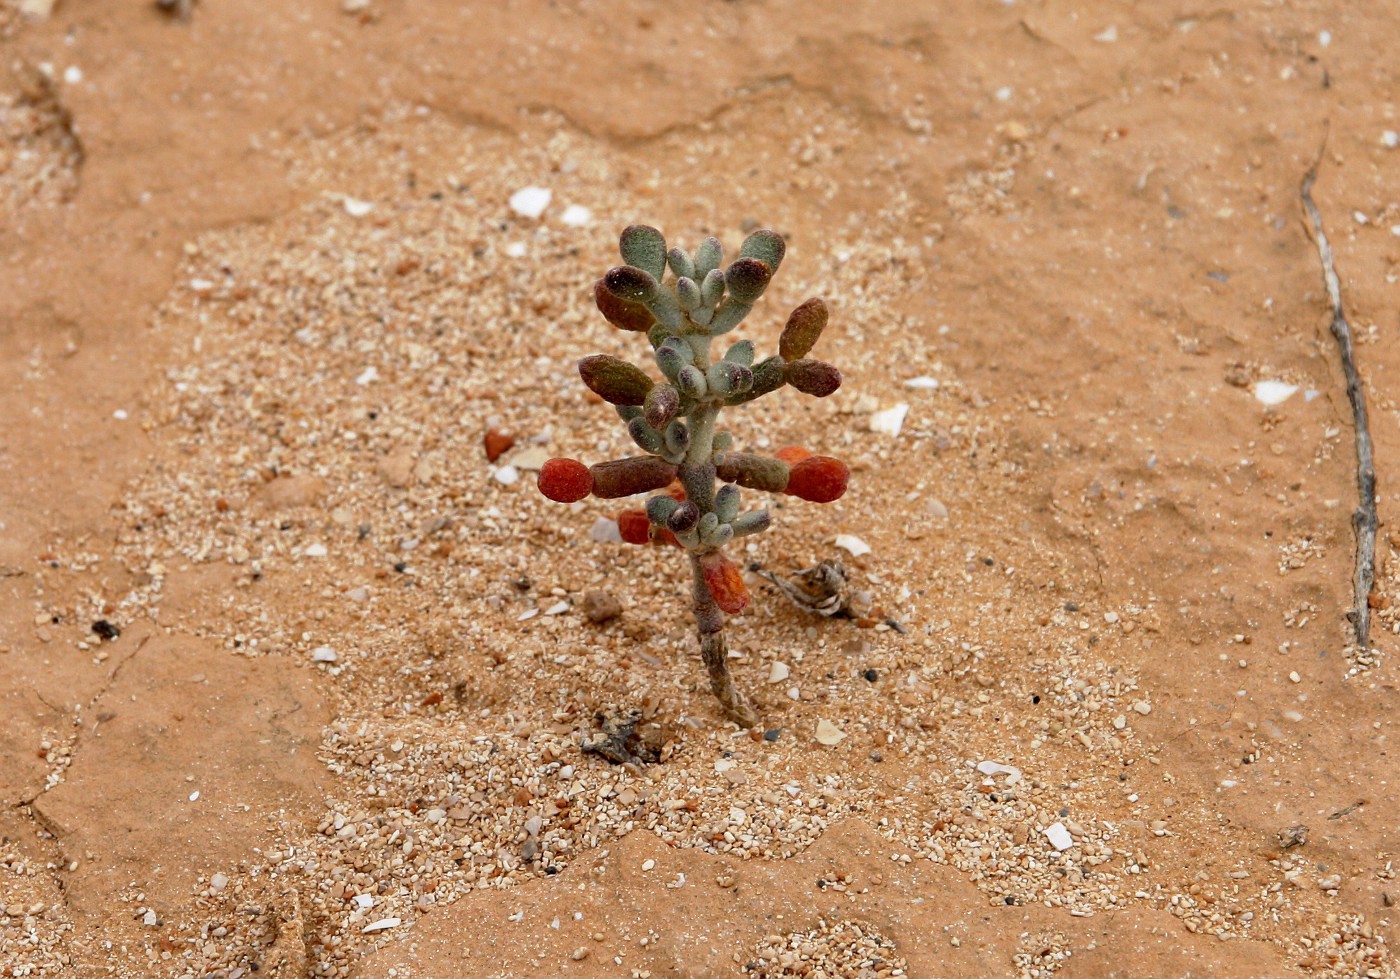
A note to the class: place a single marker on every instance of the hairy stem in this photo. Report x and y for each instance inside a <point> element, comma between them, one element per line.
<point>714,650</point>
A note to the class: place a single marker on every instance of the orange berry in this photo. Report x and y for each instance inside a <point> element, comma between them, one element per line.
<point>725,583</point>
<point>634,526</point>
<point>818,479</point>
<point>792,454</point>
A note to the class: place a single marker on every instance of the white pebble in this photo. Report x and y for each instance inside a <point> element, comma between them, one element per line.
<point>368,375</point>
<point>315,550</point>
<point>1142,707</point>
<point>576,216</point>
<point>364,901</point>
<point>1108,35</point>
<point>382,924</point>
<point>558,608</point>
<point>828,733</point>
<point>194,796</point>
<point>604,531</point>
<point>149,919</point>
<point>1324,38</point>
<point>218,882</point>
<point>648,865</point>
<point>530,202</point>
<point>1390,139</point>
<point>72,74</point>
<point>778,672</point>
<point>324,654</point>
<point>507,475</point>
<point>853,544</point>
<point>923,383</point>
<point>889,421</point>
<point>120,415</point>
<point>1274,392</point>
<point>357,208</point>
<point>516,249</point>
<point>1059,836</point>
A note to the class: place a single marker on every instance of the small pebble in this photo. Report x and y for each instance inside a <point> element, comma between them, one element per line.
<point>530,202</point>
<point>828,733</point>
<point>600,606</point>
<point>324,654</point>
<point>1059,836</point>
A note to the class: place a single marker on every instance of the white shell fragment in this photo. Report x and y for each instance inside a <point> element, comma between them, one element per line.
<point>507,475</point>
<point>828,733</point>
<point>357,208</point>
<point>1012,773</point>
<point>576,216</point>
<point>324,654</point>
<point>530,202</point>
<point>853,544</point>
<point>1274,392</point>
<point>923,383</point>
<point>890,420</point>
<point>778,672</point>
<point>532,458</point>
<point>382,924</point>
<point>1059,836</point>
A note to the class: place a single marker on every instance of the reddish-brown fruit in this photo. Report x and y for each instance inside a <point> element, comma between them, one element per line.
<point>818,479</point>
<point>725,583</point>
<point>625,477</point>
<point>497,442</point>
<point>792,454</point>
<point>619,312</point>
<point>660,535</point>
<point>565,480</point>
<point>803,328</point>
<point>676,491</point>
<point>634,526</point>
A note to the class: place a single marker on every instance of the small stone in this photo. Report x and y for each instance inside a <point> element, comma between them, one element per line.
<point>648,865</point>
<point>507,475</point>
<point>605,531</point>
<point>149,919</point>
<point>496,443</point>
<point>1142,707</point>
<point>354,6</point>
<point>357,209</point>
<point>937,510</point>
<point>829,734</point>
<point>396,468</point>
<point>218,882</point>
<point>580,953</point>
<point>601,606</point>
<point>324,654</point>
<point>315,550</point>
<point>1012,773</point>
<point>530,202</point>
<point>1059,836</point>
<point>778,672</point>
<point>576,216</point>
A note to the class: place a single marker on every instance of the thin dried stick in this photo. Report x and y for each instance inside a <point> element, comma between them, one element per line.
<point>1363,518</point>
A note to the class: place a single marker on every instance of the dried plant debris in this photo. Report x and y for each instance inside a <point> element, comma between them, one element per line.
<point>624,744</point>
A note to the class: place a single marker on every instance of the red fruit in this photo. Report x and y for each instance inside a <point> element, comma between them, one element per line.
<point>496,443</point>
<point>634,526</point>
<point>676,491</point>
<point>565,480</point>
<point>792,455</point>
<point>818,479</point>
<point>725,583</point>
<point>660,535</point>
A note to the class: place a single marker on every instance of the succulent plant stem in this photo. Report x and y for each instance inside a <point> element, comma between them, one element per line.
<point>714,650</point>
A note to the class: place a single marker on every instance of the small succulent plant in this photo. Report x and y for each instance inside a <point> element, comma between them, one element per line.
<point>674,420</point>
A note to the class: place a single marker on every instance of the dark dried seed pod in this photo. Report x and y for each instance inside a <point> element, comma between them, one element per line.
<point>684,517</point>
<point>766,246</point>
<point>614,380</point>
<point>813,377</point>
<point>753,471</point>
<point>619,312</point>
<point>625,477</point>
<point>662,403</point>
<point>804,327</point>
<point>746,279</point>
<point>644,247</point>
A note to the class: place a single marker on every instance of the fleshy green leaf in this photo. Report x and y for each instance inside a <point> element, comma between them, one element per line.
<point>661,405</point>
<point>727,502</point>
<point>741,353</point>
<point>614,380</point>
<point>766,246</point>
<point>687,293</point>
<point>680,263</point>
<point>644,247</point>
<point>712,287</point>
<point>691,382</point>
<point>647,438</point>
<point>708,257</point>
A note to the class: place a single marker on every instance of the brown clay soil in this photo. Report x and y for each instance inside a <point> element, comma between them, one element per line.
<point>295,682</point>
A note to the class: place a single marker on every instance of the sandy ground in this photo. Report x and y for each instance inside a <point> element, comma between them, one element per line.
<point>295,681</point>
